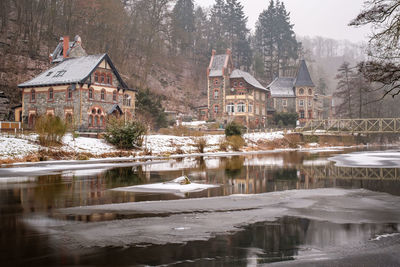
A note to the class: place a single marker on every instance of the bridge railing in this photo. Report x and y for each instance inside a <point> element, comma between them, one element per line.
<point>372,125</point>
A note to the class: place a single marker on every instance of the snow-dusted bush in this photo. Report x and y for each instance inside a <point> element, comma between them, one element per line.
<point>125,135</point>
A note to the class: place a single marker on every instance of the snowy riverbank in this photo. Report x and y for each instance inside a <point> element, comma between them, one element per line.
<point>17,148</point>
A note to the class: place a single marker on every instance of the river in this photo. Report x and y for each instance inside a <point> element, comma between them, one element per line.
<point>286,208</point>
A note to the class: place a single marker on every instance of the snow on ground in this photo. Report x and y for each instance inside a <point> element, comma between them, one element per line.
<point>85,144</point>
<point>376,159</point>
<point>193,123</point>
<point>11,147</point>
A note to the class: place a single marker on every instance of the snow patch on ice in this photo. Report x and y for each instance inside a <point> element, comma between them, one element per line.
<point>376,159</point>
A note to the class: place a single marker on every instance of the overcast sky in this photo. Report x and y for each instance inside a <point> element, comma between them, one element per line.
<point>327,18</point>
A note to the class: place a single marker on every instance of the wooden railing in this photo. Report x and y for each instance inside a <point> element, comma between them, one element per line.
<point>374,125</point>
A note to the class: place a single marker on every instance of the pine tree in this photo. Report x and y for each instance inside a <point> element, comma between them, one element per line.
<point>217,28</point>
<point>344,91</point>
<point>275,40</point>
<point>183,25</point>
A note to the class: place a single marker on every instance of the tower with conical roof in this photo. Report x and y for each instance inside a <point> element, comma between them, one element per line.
<point>305,93</point>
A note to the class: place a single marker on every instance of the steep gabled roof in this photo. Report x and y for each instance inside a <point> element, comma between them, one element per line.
<point>282,87</point>
<point>217,65</point>
<point>303,77</point>
<point>248,78</point>
<point>72,70</point>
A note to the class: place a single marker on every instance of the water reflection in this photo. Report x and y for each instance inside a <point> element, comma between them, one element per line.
<point>259,243</point>
<point>266,242</point>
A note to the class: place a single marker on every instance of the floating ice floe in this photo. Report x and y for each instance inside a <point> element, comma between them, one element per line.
<point>374,159</point>
<point>179,185</point>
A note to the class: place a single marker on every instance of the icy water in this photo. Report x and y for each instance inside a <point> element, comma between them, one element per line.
<point>34,222</point>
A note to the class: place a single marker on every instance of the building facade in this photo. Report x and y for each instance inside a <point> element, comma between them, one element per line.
<point>296,94</point>
<point>234,95</point>
<point>83,90</point>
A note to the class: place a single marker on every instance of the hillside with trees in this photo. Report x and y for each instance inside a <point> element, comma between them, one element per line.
<point>165,45</point>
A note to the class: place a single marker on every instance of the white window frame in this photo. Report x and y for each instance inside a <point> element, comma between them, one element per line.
<point>241,107</point>
<point>250,108</point>
<point>301,102</point>
<point>230,108</point>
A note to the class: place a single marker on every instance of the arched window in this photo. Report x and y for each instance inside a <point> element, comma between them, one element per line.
<point>241,84</point>
<point>301,91</point>
<point>241,107</point>
<point>216,94</point>
<point>115,95</point>
<point>230,108</point>
<point>96,77</point>
<point>33,95</point>
<point>69,93</point>
<point>102,121</point>
<point>97,122</point>
<point>216,82</point>
<point>90,93</point>
<point>103,94</point>
<point>93,111</point>
<point>99,111</point>
<point>51,94</point>
<point>310,91</point>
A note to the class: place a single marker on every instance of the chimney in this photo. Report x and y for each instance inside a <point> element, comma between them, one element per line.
<point>228,51</point>
<point>213,52</point>
<point>65,46</point>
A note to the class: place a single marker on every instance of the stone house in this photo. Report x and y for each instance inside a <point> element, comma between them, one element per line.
<point>234,94</point>
<point>82,89</point>
<point>296,94</point>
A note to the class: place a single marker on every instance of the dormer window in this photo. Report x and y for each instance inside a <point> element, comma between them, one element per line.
<point>310,91</point>
<point>49,73</point>
<point>59,73</point>
<point>301,91</point>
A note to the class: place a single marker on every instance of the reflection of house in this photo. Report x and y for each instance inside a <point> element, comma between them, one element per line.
<point>234,94</point>
<point>81,89</point>
<point>296,94</point>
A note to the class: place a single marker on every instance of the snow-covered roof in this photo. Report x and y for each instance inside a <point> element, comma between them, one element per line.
<point>282,87</point>
<point>69,71</point>
<point>217,65</point>
<point>248,78</point>
<point>303,77</point>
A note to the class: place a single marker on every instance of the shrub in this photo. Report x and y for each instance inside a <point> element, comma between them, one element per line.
<point>285,119</point>
<point>233,129</point>
<point>50,129</point>
<point>125,135</point>
<point>223,144</point>
<point>200,144</point>
<point>236,142</point>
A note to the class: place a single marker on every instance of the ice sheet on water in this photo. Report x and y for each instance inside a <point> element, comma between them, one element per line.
<point>208,217</point>
<point>374,159</point>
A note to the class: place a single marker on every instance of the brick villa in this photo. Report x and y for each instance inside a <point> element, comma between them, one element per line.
<point>81,89</point>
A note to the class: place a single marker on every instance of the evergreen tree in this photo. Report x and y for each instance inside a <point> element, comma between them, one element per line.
<point>344,91</point>
<point>183,25</point>
<point>217,29</point>
<point>275,40</point>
